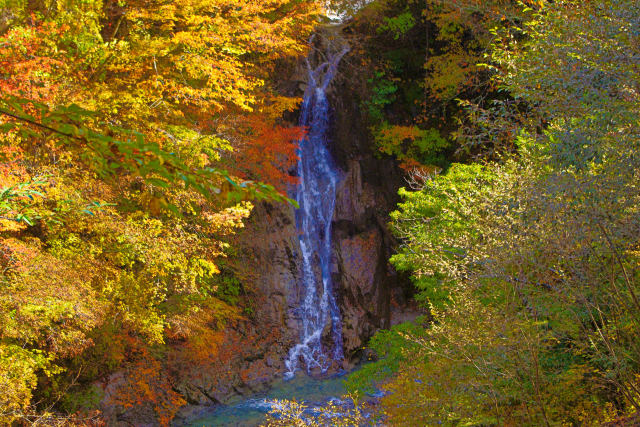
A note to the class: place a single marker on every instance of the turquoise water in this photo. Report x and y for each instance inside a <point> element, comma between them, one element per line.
<point>251,412</point>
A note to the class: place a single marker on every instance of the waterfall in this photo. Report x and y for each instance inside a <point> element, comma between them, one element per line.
<point>316,195</point>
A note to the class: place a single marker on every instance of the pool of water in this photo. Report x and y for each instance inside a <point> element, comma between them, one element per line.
<point>252,411</point>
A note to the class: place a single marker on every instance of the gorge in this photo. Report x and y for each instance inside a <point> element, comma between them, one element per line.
<point>321,274</point>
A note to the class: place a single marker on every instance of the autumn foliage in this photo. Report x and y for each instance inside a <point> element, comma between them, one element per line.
<point>526,259</point>
<point>133,135</point>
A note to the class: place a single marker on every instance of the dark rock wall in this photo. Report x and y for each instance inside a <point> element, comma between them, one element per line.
<point>367,285</point>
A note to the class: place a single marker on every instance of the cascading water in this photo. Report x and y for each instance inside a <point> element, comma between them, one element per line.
<point>316,195</point>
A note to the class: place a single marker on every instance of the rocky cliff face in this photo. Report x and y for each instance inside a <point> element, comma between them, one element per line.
<point>366,285</point>
<point>369,288</point>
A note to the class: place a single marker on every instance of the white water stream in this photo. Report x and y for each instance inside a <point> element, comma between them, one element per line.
<point>316,195</point>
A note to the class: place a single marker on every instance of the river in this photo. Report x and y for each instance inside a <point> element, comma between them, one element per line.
<point>252,411</point>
